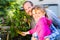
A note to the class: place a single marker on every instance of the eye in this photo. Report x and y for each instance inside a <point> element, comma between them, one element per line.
<point>27,8</point>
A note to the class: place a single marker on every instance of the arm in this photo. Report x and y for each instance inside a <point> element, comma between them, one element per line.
<point>33,29</point>
<point>30,31</point>
<point>55,19</point>
<point>42,23</point>
<point>54,34</point>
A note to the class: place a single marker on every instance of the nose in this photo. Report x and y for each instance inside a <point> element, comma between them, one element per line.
<point>28,10</point>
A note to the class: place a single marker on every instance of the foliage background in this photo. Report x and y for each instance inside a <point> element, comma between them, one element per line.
<point>13,15</point>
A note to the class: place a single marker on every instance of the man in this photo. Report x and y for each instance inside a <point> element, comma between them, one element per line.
<point>27,7</point>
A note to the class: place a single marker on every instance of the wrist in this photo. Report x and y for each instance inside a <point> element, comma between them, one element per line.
<point>27,32</point>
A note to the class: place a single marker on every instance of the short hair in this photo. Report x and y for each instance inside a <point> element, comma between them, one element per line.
<point>29,2</point>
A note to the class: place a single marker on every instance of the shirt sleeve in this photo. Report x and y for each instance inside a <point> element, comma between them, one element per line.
<point>33,29</point>
<point>53,16</point>
<point>54,33</point>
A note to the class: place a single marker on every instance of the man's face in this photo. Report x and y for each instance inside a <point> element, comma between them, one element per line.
<point>28,7</point>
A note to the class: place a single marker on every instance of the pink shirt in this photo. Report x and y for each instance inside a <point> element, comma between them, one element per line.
<point>42,28</point>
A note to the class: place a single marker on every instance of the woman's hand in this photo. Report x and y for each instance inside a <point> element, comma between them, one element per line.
<point>47,38</point>
<point>24,33</point>
<point>33,38</point>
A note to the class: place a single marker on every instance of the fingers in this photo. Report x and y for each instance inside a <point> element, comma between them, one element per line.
<point>23,34</point>
<point>47,38</point>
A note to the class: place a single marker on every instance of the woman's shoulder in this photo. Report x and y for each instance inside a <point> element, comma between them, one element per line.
<point>45,20</point>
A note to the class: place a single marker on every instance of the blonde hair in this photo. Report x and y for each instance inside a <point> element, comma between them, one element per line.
<point>39,8</point>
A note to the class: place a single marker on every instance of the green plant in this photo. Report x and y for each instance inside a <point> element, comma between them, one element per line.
<point>14,17</point>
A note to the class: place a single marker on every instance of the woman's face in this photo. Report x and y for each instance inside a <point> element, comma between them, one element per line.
<point>37,13</point>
